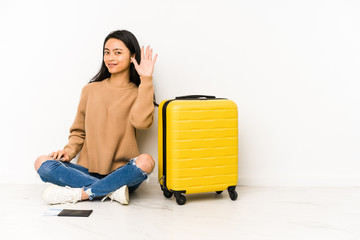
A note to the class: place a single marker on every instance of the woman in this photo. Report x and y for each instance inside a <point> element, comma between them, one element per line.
<point>118,100</point>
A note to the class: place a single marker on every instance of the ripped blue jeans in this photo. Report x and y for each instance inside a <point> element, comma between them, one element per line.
<point>95,185</point>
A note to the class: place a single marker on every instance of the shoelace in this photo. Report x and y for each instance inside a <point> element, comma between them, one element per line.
<point>74,197</point>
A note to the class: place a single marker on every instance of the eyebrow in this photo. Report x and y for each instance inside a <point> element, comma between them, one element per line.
<point>113,49</point>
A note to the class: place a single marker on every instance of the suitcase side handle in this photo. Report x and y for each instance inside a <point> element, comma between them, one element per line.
<point>195,96</point>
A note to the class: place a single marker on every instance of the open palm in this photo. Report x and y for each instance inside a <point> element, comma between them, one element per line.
<point>147,63</point>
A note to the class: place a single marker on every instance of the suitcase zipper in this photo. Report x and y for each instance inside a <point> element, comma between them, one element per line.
<point>164,140</point>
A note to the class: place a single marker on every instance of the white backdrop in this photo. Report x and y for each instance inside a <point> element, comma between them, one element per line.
<point>291,66</point>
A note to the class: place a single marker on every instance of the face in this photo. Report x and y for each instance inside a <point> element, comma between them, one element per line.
<point>116,56</point>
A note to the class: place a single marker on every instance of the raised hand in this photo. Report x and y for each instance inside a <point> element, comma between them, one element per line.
<point>147,63</point>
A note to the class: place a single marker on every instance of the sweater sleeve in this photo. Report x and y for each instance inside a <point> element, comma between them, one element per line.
<point>77,130</point>
<point>142,111</point>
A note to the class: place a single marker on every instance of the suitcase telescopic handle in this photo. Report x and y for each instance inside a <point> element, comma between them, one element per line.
<point>196,96</point>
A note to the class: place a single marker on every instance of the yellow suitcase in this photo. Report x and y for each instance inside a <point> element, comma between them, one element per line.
<point>198,146</point>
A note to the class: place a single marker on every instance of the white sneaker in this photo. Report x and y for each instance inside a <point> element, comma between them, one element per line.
<point>121,195</point>
<point>55,194</point>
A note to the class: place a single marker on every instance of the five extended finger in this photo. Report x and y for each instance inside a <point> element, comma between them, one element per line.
<point>147,52</point>
<point>155,57</point>
<point>142,53</point>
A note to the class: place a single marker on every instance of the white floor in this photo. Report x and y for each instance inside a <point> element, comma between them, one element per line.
<point>259,213</point>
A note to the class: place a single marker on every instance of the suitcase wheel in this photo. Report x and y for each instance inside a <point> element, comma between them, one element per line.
<point>232,193</point>
<point>180,199</point>
<point>167,193</point>
<point>219,192</point>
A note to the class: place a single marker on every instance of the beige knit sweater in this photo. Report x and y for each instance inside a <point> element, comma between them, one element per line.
<point>105,123</point>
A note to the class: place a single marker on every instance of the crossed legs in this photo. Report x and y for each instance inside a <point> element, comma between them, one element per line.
<point>75,176</point>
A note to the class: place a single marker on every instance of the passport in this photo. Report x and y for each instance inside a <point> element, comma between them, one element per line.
<point>68,212</point>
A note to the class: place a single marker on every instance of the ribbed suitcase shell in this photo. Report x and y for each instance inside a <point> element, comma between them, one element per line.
<point>201,139</point>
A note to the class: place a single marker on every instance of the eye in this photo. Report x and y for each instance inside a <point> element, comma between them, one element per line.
<point>117,52</point>
<point>106,52</point>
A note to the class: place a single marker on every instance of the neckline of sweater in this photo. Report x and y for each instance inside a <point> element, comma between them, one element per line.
<point>107,84</point>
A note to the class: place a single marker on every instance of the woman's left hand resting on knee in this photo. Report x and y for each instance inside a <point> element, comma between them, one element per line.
<point>60,154</point>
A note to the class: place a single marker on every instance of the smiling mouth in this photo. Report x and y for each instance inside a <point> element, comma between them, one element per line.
<point>112,65</point>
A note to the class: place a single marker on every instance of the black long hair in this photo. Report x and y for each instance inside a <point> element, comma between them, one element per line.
<point>132,44</point>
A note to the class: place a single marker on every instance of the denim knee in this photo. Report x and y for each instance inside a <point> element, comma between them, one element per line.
<point>145,174</point>
<point>45,169</point>
<point>142,175</point>
<point>46,172</point>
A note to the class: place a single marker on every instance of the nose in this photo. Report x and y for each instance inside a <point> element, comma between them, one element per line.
<point>111,57</point>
